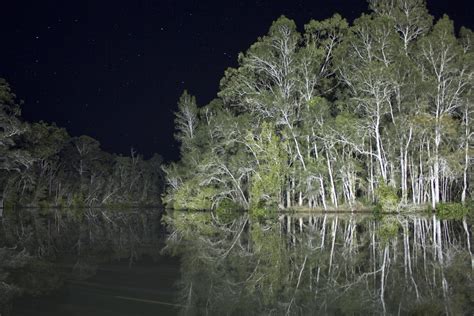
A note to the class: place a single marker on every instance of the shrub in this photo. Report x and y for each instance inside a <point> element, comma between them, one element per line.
<point>191,196</point>
<point>387,198</point>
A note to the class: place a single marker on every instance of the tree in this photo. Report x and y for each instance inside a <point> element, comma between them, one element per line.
<point>186,119</point>
<point>11,159</point>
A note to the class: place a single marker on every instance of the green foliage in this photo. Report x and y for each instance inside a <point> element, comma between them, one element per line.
<point>387,198</point>
<point>191,196</point>
<point>267,181</point>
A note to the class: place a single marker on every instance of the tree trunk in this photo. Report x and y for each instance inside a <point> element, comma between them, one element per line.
<point>331,180</point>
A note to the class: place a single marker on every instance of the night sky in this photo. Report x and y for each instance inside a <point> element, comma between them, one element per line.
<point>114,70</point>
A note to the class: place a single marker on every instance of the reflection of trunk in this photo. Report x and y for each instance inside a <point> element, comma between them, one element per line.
<point>288,224</point>
<point>407,257</point>
<point>189,298</point>
<point>333,232</point>
<point>468,238</point>
<point>437,243</point>
<point>323,232</point>
<point>3,188</point>
<point>373,254</point>
<point>288,198</point>
<point>382,278</point>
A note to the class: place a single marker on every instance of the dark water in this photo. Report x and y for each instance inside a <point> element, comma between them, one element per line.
<point>126,263</point>
<point>144,289</point>
<point>98,263</point>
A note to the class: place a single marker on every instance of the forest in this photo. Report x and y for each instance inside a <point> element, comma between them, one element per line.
<point>336,115</point>
<point>41,165</point>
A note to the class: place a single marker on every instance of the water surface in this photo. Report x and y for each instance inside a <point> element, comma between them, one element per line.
<point>324,264</point>
<point>128,263</point>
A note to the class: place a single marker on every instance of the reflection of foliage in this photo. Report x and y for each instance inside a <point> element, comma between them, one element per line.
<point>388,229</point>
<point>451,210</point>
<point>320,265</point>
<point>10,259</point>
<point>33,242</point>
<point>270,252</point>
<point>37,277</point>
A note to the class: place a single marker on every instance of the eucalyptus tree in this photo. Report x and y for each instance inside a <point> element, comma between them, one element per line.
<point>448,77</point>
<point>411,21</point>
<point>365,68</point>
<point>467,109</point>
<point>411,18</point>
<point>186,118</point>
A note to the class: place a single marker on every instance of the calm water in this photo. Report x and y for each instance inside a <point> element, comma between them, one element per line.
<point>126,263</point>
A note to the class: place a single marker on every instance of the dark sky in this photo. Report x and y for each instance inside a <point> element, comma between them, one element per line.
<point>114,70</point>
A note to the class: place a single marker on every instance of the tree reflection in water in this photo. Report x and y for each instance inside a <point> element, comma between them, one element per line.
<point>322,264</point>
<point>40,249</point>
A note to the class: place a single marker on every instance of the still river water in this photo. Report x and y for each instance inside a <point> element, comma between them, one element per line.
<point>138,263</point>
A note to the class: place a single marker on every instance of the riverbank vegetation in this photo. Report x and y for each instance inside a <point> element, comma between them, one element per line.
<point>42,165</point>
<point>377,112</point>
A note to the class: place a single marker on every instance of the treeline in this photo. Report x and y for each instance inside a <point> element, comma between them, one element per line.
<point>42,165</point>
<point>378,111</point>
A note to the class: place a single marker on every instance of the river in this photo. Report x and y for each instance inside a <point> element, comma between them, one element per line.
<point>105,262</point>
